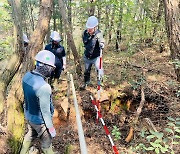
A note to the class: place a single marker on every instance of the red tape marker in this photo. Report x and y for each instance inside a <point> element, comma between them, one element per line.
<point>106,130</point>
<point>115,150</point>
<point>104,126</point>
<point>99,115</point>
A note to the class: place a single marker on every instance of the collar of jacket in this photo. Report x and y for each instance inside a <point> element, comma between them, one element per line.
<point>37,73</point>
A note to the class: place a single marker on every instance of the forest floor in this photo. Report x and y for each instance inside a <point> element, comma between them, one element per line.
<point>120,99</point>
<point>125,75</point>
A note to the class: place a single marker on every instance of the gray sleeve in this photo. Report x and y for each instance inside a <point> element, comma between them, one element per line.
<point>100,38</point>
<point>44,94</point>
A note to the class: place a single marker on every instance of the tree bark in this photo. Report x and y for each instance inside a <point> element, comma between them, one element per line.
<point>16,58</point>
<point>119,27</point>
<point>92,8</point>
<point>172,16</point>
<point>69,8</point>
<point>15,117</point>
<point>71,42</point>
<point>158,18</point>
<point>107,20</point>
<point>54,17</point>
<point>111,24</point>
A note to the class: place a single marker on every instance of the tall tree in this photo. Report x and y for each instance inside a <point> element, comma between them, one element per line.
<point>14,62</point>
<point>119,27</point>
<point>172,16</point>
<point>15,95</point>
<point>158,17</point>
<point>71,42</point>
<point>92,7</point>
<point>16,58</point>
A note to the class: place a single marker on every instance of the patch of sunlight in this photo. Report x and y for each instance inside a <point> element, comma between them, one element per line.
<point>1,107</point>
<point>115,103</point>
<point>19,118</point>
<point>15,121</point>
<point>155,78</point>
<point>152,77</point>
<point>18,132</point>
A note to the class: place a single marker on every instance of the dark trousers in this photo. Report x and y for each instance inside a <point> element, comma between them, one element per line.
<point>57,72</point>
<point>40,131</point>
<point>88,65</point>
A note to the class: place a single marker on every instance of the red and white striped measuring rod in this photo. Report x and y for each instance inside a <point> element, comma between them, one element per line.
<point>104,126</point>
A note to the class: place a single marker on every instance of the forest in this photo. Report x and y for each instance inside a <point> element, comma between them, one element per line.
<point>139,98</point>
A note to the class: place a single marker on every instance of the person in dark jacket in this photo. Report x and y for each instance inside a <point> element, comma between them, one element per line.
<point>38,107</point>
<point>60,56</point>
<point>93,42</point>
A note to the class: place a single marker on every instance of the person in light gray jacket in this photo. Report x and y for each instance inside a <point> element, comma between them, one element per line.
<point>38,103</point>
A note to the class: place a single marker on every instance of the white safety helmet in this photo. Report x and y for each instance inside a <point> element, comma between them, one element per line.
<point>91,22</point>
<point>25,39</point>
<point>46,57</point>
<point>55,36</point>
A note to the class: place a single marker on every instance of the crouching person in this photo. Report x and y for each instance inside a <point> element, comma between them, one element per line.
<point>38,103</point>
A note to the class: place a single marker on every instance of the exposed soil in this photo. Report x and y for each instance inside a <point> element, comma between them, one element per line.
<point>119,101</point>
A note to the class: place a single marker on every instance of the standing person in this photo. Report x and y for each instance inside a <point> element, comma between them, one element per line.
<point>38,103</point>
<point>59,52</point>
<point>93,42</point>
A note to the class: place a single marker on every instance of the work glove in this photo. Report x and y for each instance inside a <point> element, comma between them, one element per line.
<point>52,131</point>
<point>101,45</point>
<point>101,73</point>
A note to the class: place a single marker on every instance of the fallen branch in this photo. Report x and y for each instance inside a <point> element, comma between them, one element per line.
<point>130,135</point>
<point>159,93</point>
<point>138,112</point>
<point>150,125</point>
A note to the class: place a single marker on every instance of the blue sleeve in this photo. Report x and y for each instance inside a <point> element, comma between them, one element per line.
<point>44,94</point>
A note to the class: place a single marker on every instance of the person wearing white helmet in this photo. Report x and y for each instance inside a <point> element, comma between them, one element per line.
<point>25,39</point>
<point>60,55</point>
<point>38,108</point>
<point>93,42</point>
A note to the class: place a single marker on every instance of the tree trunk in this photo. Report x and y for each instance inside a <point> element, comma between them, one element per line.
<point>54,17</point>
<point>15,96</point>
<point>107,20</point>
<point>70,22</point>
<point>99,7</point>
<point>92,8</point>
<point>31,15</point>
<point>119,27</point>
<point>70,38</point>
<point>172,16</point>
<point>159,14</point>
<point>111,24</point>
<point>16,59</point>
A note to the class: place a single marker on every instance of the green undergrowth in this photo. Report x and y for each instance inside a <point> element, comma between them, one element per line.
<point>166,141</point>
